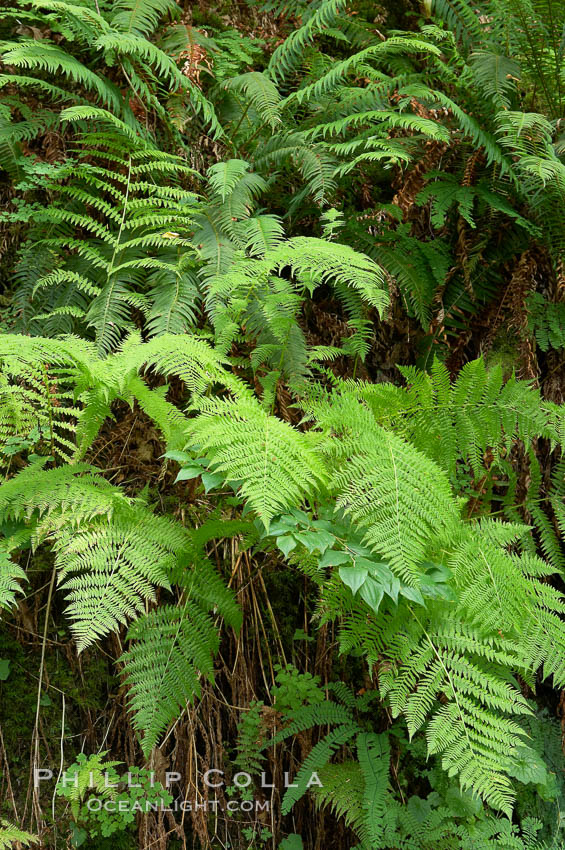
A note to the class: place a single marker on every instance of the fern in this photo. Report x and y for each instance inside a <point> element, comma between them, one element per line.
<point>249,296</point>
<point>121,33</point>
<point>172,647</point>
<point>460,645</point>
<point>289,54</point>
<point>10,576</point>
<point>277,464</point>
<point>167,179</point>
<point>108,568</point>
<point>140,18</point>
<point>373,752</point>
<point>317,758</point>
<point>460,420</point>
<point>261,92</point>
<point>10,835</point>
<point>249,739</point>
<point>109,572</point>
<point>93,281</point>
<point>547,321</point>
<point>54,60</point>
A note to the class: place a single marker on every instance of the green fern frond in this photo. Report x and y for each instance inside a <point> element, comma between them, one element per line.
<point>318,757</point>
<point>10,576</point>
<point>496,76</point>
<point>172,649</point>
<point>325,261</point>
<point>263,233</point>
<point>373,752</point>
<point>278,465</point>
<point>10,836</point>
<point>141,17</point>
<point>109,570</point>
<point>289,54</point>
<point>341,792</point>
<point>398,497</point>
<point>261,92</point>
<point>29,54</point>
<point>470,731</point>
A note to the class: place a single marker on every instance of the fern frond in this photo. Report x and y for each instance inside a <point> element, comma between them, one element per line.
<point>172,648</point>
<point>54,60</point>
<point>331,262</point>
<point>398,497</point>
<point>141,17</point>
<point>316,759</point>
<point>10,576</point>
<point>261,92</point>
<point>341,791</point>
<point>373,752</point>
<point>289,54</point>
<point>109,570</point>
<point>496,76</point>
<point>471,730</point>
<point>10,836</point>
<point>278,465</point>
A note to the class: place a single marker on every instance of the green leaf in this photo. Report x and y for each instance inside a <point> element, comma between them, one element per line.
<point>372,592</point>
<point>353,577</point>
<point>78,835</point>
<point>334,557</point>
<point>211,480</point>
<point>292,842</point>
<point>180,457</point>
<point>437,590</point>
<point>315,540</point>
<point>527,766</point>
<point>412,593</point>
<point>188,472</point>
<point>286,544</point>
<point>282,526</point>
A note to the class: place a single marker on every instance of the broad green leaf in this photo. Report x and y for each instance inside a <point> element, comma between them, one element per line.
<point>353,577</point>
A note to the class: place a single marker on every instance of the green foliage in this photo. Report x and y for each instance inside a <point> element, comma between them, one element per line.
<point>293,688</point>
<point>116,37</point>
<point>250,297</point>
<point>223,233</point>
<point>10,576</point>
<point>457,420</point>
<point>358,786</point>
<point>136,256</point>
<point>112,552</point>
<point>547,321</point>
<point>277,464</point>
<point>486,612</point>
<point>173,647</point>
<point>249,740</point>
<point>95,780</point>
<point>10,834</point>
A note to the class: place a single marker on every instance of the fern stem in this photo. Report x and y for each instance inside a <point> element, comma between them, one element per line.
<point>238,125</point>
<point>355,366</point>
<point>108,295</point>
<point>446,671</point>
<point>122,222</point>
<point>536,59</point>
<point>45,375</point>
<point>253,135</point>
<point>35,736</point>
